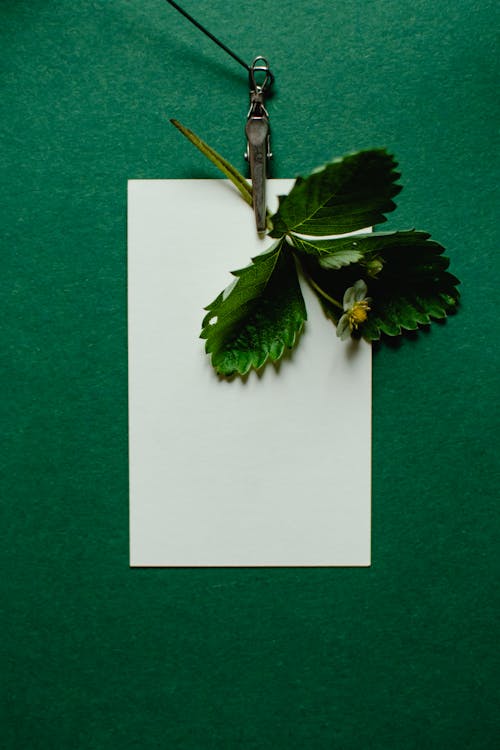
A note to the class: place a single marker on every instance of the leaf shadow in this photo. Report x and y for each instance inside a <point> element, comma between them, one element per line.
<point>351,348</point>
<point>407,338</point>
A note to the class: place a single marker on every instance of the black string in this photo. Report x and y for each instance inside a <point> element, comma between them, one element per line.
<point>210,36</point>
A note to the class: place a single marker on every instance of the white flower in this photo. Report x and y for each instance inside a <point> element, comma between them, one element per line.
<point>356,307</point>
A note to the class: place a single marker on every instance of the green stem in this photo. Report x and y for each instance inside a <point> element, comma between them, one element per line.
<point>322,292</point>
<point>225,167</point>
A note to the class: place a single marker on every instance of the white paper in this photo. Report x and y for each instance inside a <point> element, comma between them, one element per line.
<point>270,470</point>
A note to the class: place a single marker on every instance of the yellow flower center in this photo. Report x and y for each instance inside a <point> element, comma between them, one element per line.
<point>358,313</point>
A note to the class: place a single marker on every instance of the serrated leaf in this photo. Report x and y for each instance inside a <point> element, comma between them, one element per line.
<point>412,287</point>
<point>339,259</point>
<point>347,194</point>
<point>370,242</point>
<point>257,316</point>
<point>367,246</point>
<point>329,253</point>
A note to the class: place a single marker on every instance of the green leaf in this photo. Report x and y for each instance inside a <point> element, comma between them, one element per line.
<point>363,246</point>
<point>331,253</point>
<point>226,167</point>
<point>412,287</point>
<point>348,194</point>
<point>257,316</point>
<point>339,258</point>
<point>375,242</point>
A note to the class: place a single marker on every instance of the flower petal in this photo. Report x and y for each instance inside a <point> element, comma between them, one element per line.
<point>343,328</point>
<point>360,290</point>
<point>349,298</point>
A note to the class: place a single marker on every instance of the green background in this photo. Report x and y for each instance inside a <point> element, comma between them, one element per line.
<point>95,655</point>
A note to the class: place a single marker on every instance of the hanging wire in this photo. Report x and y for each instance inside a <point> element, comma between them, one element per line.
<point>210,36</point>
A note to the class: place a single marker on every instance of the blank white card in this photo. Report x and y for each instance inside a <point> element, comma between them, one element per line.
<point>269,470</point>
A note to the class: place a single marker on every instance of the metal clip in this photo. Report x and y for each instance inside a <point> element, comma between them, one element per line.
<point>258,137</point>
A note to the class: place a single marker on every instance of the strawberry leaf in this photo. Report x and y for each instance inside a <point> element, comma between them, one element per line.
<point>411,287</point>
<point>258,316</point>
<point>348,194</point>
<point>332,253</point>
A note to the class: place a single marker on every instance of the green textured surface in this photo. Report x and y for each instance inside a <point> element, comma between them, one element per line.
<point>94,655</point>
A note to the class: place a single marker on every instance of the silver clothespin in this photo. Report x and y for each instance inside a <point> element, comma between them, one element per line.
<point>257,128</point>
<point>258,137</point>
